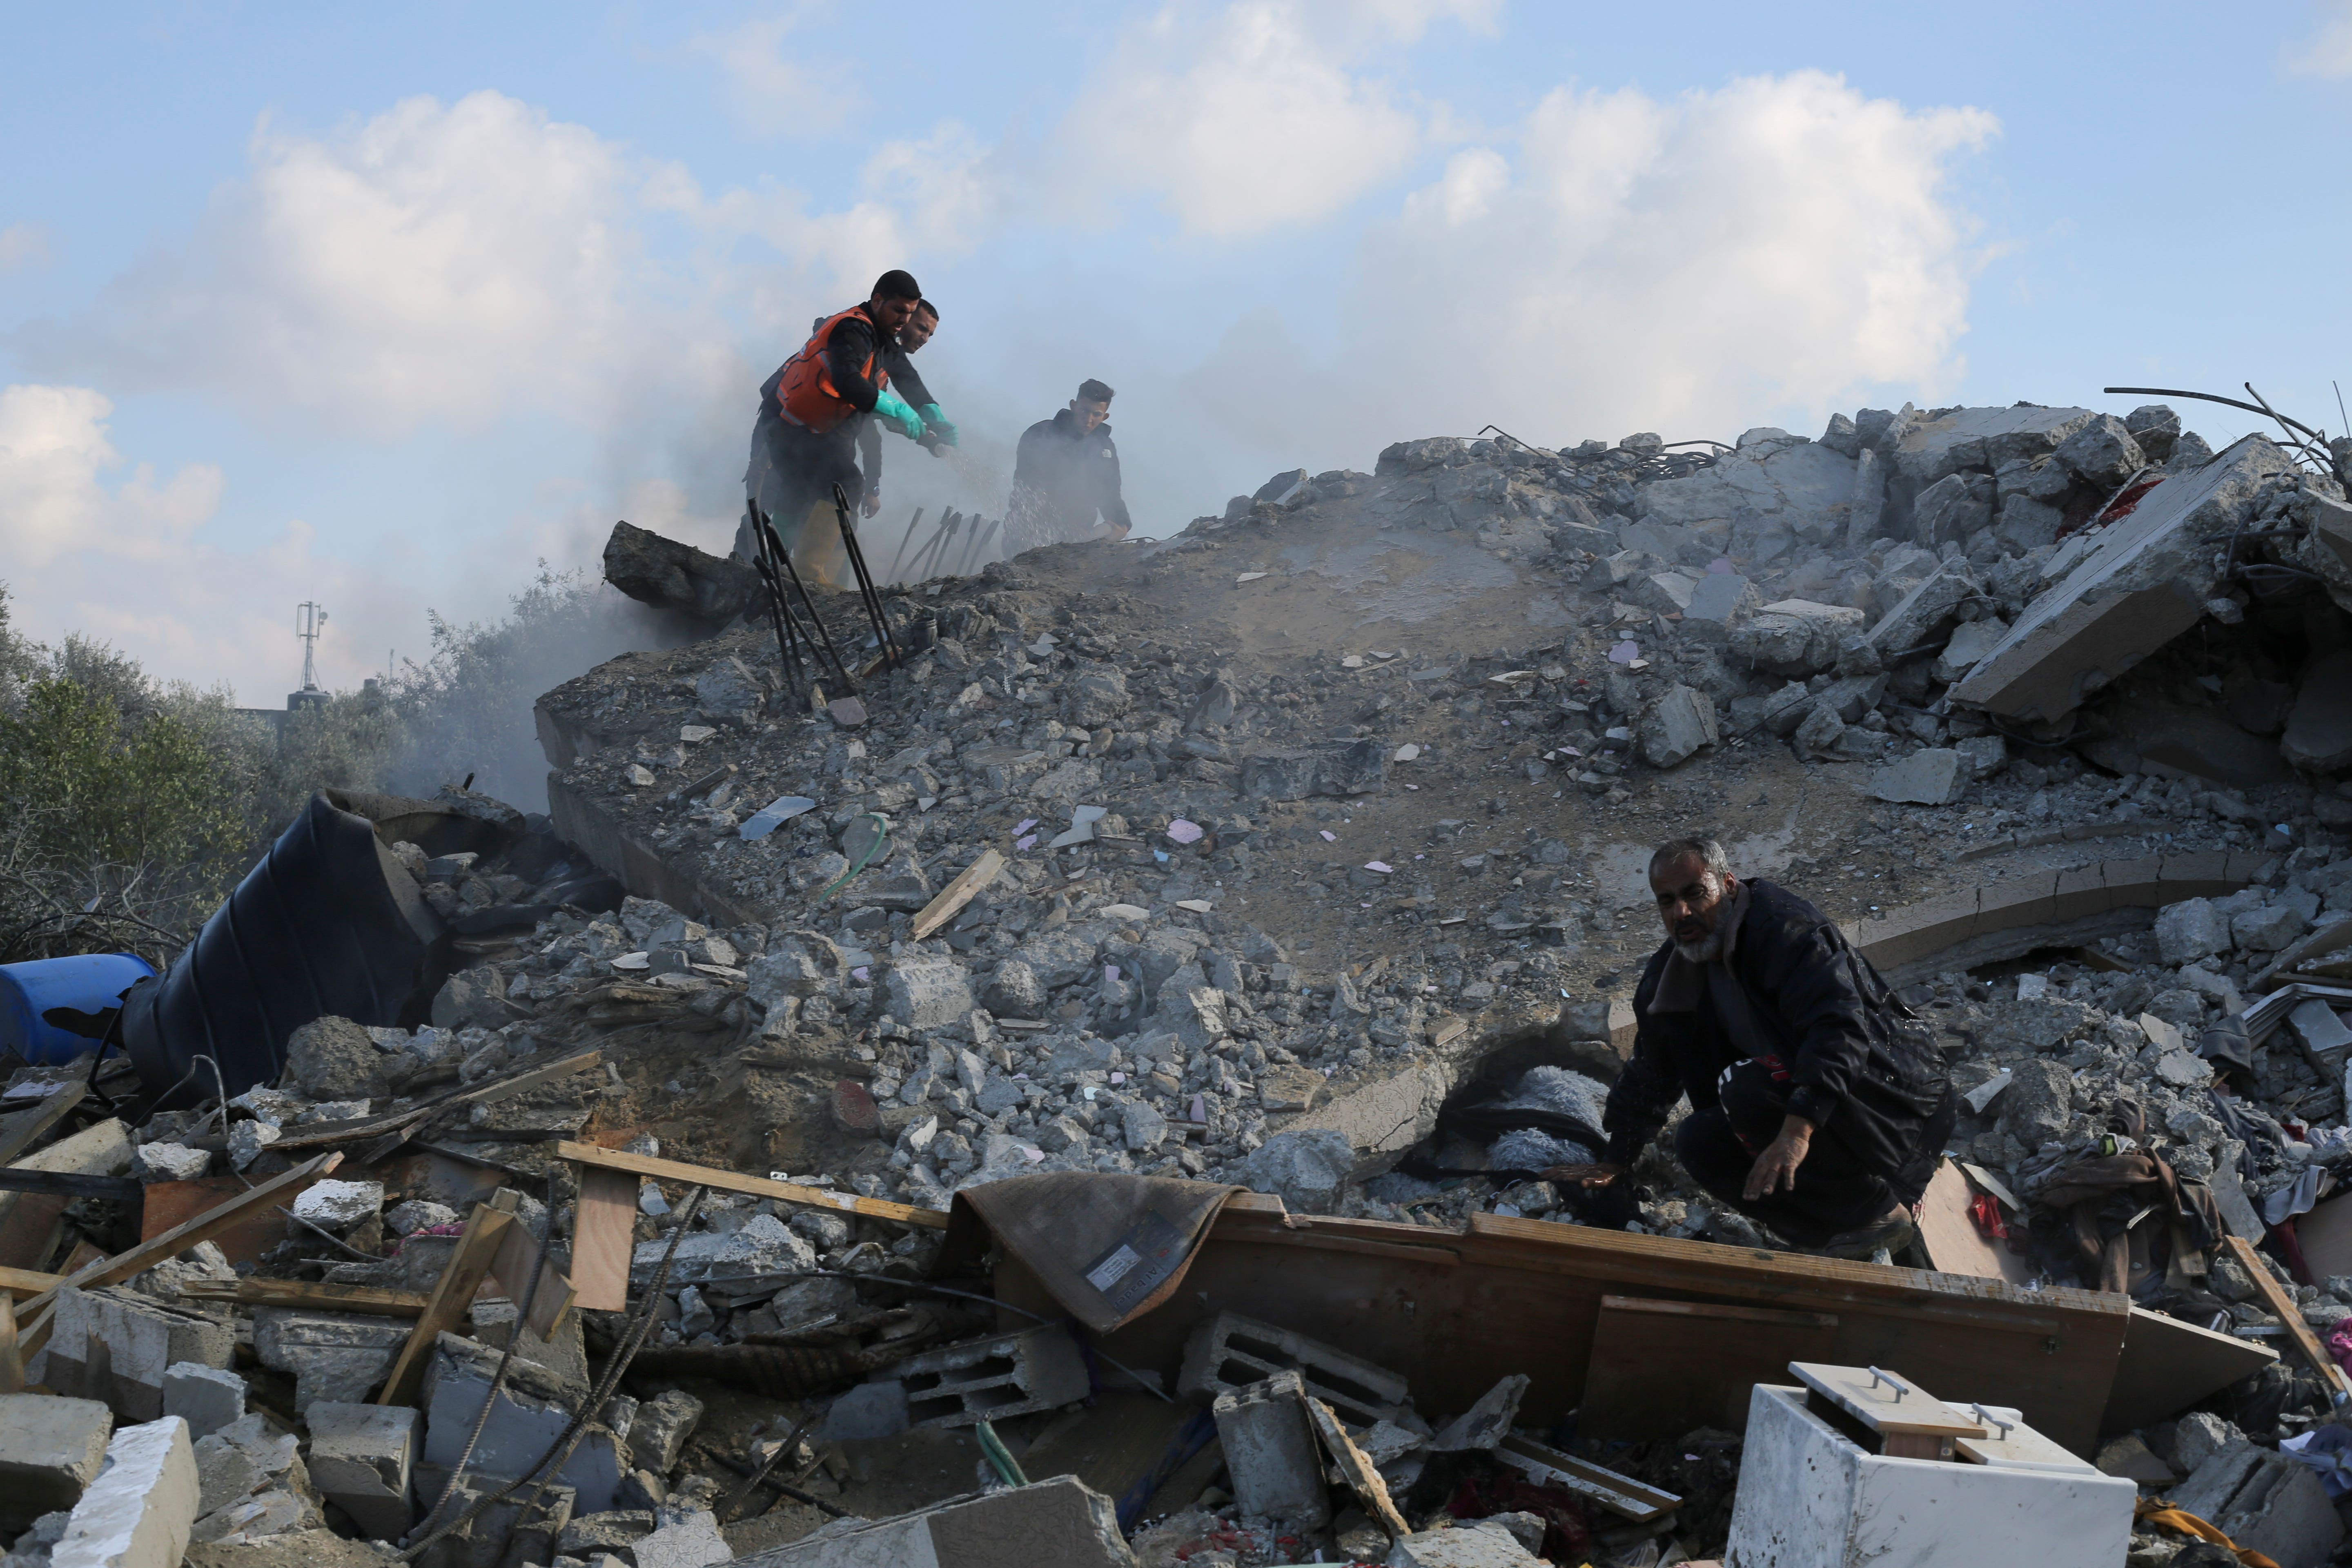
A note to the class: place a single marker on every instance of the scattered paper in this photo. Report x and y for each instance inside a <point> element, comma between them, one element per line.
<point>1248,577</point>
<point>1026,841</point>
<point>1025,825</point>
<point>861,974</point>
<point>1381,865</point>
<point>1353,661</point>
<point>693,734</point>
<point>1197,906</point>
<point>1406,752</point>
<point>1123,912</point>
<point>1184,831</point>
<point>1625,652</point>
<point>1328,836</point>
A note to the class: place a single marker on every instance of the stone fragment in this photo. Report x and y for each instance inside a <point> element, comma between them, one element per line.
<point>532,1411</point>
<point>1796,638</point>
<point>1677,727</point>
<point>1936,775</point>
<point>206,1397</point>
<point>2039,1103</point>
<point>50,1449</point>
<point>246,1140</point>
<point>2190,929</point>
<point>169,1162</point>
<point>658,1433</point>
<point>1952,508</point>
<point>1971,640</point>
<point>1486,1422</point>
<point>361,1460</point>
<point>2198,1436</point>
<point>1918,620</point>
<point>686,1538</point>
<point>1096,697</point>
<point>334,1058</point>
<point>798,963</point>
<point>1271,1452</point>
<point>1336,768</point>
<point>1144,1126</point>
<point>336,1356</point>
<point>338,1205</point>
<point>1471,1546</point>
<point>114,1344</point>
<point>866,1412</point>
<point>417,1213</point>
<point>2103,452</point>
<point>2268,929</point>
<point>473,998</point>
<point>673,575</point>
<point>1308,1170</point>
<point>139,1510</point>
<point>1719,597</point>
<point>730,692</point>
<point>1818,736</point>
<point>1014,992</point>
<point>928,993</point>
<point>2263,1501</point>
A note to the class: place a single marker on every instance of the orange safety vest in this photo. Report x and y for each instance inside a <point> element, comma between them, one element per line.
<point>804,389</point>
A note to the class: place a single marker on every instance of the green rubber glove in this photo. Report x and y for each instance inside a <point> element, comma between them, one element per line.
<point>938,421</point>
<point>892,407</point>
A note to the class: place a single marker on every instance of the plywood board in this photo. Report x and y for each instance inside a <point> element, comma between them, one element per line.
<point>511,1268</point>
<point>1659,1369</point>
<point>2168,1366</point>
<point>603,1235</point>
<point>1949,1235</point>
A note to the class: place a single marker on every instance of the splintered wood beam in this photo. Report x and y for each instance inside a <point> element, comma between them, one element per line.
<point>956,894</point>
<point>511,1268</point>
<point>757,1186</point>
<point>603,1236</point>
<point>469,1264</point>
<point>318,1297</point>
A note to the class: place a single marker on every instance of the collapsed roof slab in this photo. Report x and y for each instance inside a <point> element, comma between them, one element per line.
<point>2125,592</point>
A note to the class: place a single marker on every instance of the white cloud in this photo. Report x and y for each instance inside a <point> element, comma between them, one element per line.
<point>437,263</point>
<point>1633,263</point>
<point>769,88</point>
<point>2328,51</point>
<point>54,500</point>
<point>1253,117</point>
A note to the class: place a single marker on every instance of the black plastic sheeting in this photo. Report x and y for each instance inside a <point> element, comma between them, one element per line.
<point>327,923</point>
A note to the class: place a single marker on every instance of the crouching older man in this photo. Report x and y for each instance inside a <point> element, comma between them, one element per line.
<point>1817,1106</point>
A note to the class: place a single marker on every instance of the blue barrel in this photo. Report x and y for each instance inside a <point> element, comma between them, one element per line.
<point>88,982</point>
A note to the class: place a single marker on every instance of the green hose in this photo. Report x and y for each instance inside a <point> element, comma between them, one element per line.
<point>880,838</point>
<point>1000,1457</point>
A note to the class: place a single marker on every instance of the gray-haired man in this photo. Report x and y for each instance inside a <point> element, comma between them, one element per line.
<point>1814,1109</point>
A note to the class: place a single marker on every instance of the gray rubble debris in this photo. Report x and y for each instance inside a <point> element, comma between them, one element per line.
<point>140,1510</point>
<point>1308,1170</point>
<point>1271,1451</point>
<point>362,1456</point>
<point>1936,776</point>
<point>51,1450</point>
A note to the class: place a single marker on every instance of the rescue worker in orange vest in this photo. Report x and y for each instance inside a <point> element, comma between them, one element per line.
<point>805,439</point>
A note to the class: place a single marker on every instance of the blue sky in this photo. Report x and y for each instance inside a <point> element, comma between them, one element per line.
<point>382,306</point>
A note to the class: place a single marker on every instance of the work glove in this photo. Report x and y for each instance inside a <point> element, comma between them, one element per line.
<point>893,408</point>
<point>938,420</point>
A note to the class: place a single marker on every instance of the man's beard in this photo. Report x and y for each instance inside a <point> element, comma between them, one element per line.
<point>1707,949</point>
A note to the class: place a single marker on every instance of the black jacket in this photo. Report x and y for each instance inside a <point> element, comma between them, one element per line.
<point>1062,477</point>
<point>1859,1072</point>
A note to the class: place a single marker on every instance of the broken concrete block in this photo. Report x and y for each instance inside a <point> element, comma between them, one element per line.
<point>1666,592</point>
<point>2134,1460</point>
<point>206,1397</point>
<point>473,999</point>
<point>1306,1169</point>
<point>532,1409</point>
<point>1936,776</point>
<point>2198,1436</point>
<point>2121,591</point>
<point>928,993</point>
<point>1795,637</point>
<point>1677,727</point>
<point>2190,929</point>
<point>687,1538</point>
<point>50,1449</point>
<point>114,1344</point>
<point>2268,929</point>
<point>2263,1501</point>
<point>2320,1028</point>
<point>1271,1452</point>
<point>360,1460</point>
<point>658,1432</point>
<point>1971,640</point>
<point>169,1162</point>
<point>1719,597</point>
<point>1063,1522</point>
<point>1919,618</point>
<point>334,1058</point>
<point>338,1356</point>
<point>139,1510</point>
<point>1338,768</point>
<point>1951,508</point>
<point>1230,1352</point>
<point>615,1532</point>
<point>1986,754</point>
<point>1486,1422</point>
<point>2103,452</point>
<point>2319,727</point>
<point>989,1379</point>
<point>1465,1546</point>
<point>728,692</point>
<point>339,1205</point>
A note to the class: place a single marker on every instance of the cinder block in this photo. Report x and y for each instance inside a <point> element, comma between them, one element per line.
<point>987,1380</point>
<point>114,1344</point>
<point>361,1458</point>
<point>335,1356</point>
<point>1063,1521</point>
<point>50,1449</point>
<point>138,1512</point>
<point>206,1397</point>
<point>1270,1451</point>
<point>1229,1352</point>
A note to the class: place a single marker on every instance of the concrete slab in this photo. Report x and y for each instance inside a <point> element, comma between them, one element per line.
<point>2140,583</point>
<point>51,1450</point>
<point>139,1512</point>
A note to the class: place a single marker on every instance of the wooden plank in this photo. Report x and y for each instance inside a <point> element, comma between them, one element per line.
<point>1887,1402</point>
<point>305,1293</point>
<point>2283,1307</point>
<point>512,1269</point>
<point>1524,1296</point>
<point>1621,1495</point>
<point>69,1184</point>
<point>12,1361</point>
<point>1949,1232</point>
<point>469,1264</point>
<point>20,1282</point>
<point>1659,1369</point>
<point>169,1204</point>
<point>23,1130</point>
<point>759,1186</point>
<point>603,1236</point>
<point>1366,1482</point>
<point>34,1319</point>
<point>952,897</point>
<point>2168,1366</point>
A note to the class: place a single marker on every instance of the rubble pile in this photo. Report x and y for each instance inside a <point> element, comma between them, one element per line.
<point>1300,855</point>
